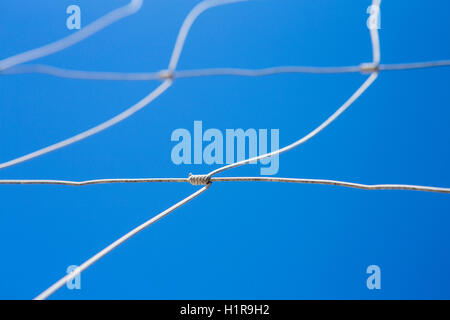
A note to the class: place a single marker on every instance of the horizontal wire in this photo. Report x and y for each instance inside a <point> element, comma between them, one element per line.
<point>235,179</point>
<point>91,182</point>
<point>414,65</point>
<point>336,183</point>
<point>81,74</point>
<point>61,282</point>
<point>207,72</point>
<point>264,71</point>
<point>145,76</point>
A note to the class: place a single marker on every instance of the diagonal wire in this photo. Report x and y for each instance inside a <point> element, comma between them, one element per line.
<point>234,179</point>
<point>57,285</point>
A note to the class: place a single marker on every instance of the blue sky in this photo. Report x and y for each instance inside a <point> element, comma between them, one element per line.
<point>237,240</point>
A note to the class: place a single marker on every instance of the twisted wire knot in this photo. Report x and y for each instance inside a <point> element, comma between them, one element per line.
<point>199,179</point>
<point>166,74</point>
<point>369,67</point>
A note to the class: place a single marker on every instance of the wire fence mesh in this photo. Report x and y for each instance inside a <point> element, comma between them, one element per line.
<point>15,65</point>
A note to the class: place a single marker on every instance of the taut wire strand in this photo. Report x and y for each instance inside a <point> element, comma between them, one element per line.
<point>414,65</point>
<point>336,183</point>
<point>205,179</point>
<point>187,24</point>
<point>91,182</point>
<point>208,72</point>
<point>146,76</point>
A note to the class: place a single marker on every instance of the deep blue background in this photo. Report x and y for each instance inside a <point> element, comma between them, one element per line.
<point>238,240</point>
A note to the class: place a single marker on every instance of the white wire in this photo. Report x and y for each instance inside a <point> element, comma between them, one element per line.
<point>132,7</point>
<point>336,183</point>
<point>146,76</point>
<point>90,182</point>
<point>376,54</point>
<point>233,179</point>
<point>81,74</point>
<point>207,72</point>
<point>61,282</point>
<point>414,65</point>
